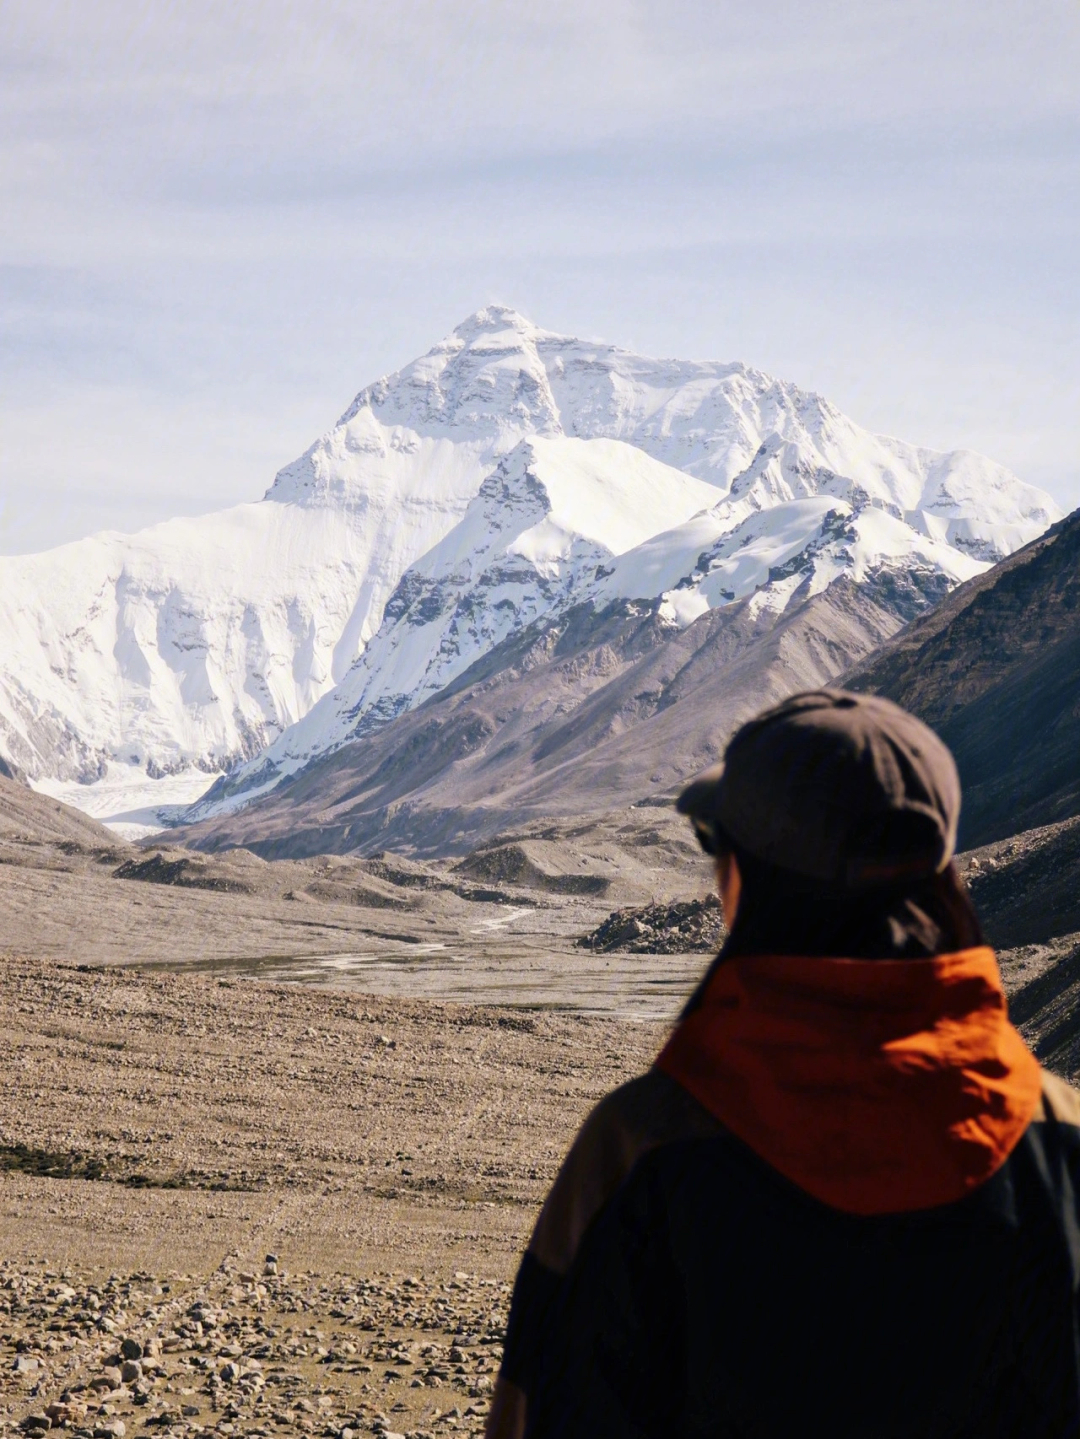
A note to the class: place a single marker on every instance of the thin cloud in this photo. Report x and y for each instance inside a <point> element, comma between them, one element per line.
<point>244,211</point>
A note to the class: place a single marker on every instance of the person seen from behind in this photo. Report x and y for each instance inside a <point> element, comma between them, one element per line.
<point>844,1200</point>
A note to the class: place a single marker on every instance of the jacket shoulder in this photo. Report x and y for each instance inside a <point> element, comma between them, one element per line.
<point>627,1123</point>
<point>1060,1101</point>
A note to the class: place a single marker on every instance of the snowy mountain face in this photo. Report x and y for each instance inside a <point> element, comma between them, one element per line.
<point>545,525</point>
<point>505,476</point>
<point>190,645</point>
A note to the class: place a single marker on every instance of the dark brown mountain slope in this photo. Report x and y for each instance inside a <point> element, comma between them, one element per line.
<point>1027,887</point>
<point>29,819</point>
<point>584,717</point>
<point>1047,1005</point>
<point>995,669</point>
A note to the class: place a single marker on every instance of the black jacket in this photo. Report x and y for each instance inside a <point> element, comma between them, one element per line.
<point>676,1284</point>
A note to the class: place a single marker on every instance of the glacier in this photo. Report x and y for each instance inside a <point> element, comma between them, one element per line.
<point>505,475</point>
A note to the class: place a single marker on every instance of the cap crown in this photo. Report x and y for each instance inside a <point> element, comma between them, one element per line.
<point>843,787</point>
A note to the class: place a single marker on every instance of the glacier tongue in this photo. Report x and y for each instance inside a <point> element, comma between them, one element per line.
<point>505,475</point>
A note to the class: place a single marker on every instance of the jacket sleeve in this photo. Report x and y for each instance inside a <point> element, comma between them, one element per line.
<point>625,1126</point>
<point>615,1341</point>
<point>1043,1395</point>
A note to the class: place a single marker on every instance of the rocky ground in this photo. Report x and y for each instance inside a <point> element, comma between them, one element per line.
<point>258,1208</point>
<point>251,1209</point>
<point>256,1352</point>
<point>694,925</point>
<point>1027,887</point>
<point>162,1136</point>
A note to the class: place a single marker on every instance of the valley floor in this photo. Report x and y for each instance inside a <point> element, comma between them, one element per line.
<point>198,1075</point>
<point>161,1134</point>
<point>502,927</point>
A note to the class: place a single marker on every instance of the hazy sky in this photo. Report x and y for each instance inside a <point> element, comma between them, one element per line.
<point>220,220</point>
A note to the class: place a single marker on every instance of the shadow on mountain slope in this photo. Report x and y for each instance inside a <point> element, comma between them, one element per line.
<point>1044,1001</point>
<point>584,716</point>
<point>1027,887</point>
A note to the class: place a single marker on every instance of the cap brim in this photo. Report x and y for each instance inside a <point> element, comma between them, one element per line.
<point>698,799</point>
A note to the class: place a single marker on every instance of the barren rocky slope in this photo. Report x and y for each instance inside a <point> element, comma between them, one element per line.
<point>995,669</point>
<point>32,822</point>
<point>1027,887</point>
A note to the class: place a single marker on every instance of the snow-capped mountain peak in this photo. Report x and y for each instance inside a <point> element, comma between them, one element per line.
<point>484,387</point>
<point>506,474</point>
<point>548,521</point>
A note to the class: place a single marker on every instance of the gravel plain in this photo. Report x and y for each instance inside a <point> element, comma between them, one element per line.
<point>244,1208</point>
<point>240,1193</point>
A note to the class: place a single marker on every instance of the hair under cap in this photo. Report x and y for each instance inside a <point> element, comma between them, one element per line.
<point>846,788</point>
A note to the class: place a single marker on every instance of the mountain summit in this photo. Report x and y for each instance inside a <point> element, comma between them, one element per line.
<point>503,479</point>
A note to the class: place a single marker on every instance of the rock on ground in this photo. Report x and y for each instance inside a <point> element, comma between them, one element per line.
<point>693,926</point>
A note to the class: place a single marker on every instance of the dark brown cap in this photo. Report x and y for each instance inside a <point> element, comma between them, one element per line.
<point>846,788</point>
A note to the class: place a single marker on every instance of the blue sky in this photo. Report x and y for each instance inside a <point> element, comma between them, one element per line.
<point>220,221</point>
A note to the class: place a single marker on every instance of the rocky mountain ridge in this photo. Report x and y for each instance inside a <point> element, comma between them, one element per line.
<point>996,670</point>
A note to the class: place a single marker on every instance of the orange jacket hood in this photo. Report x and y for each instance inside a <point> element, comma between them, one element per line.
<point>877,1086</point>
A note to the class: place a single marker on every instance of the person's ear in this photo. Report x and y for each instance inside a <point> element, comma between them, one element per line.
<point>729,883</point>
